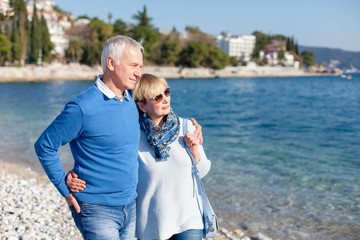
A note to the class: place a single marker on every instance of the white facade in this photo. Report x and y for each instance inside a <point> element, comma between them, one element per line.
<point>272,58</point>
<point>289,59</point>
<point>56,26</point>
<point>5,6</point>
<point>237,46</point>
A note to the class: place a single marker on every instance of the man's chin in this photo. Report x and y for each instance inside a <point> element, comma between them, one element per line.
<point>131,87</point>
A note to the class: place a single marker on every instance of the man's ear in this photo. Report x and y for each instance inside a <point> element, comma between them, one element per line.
<point>141,106</point>
<point>110,63</point>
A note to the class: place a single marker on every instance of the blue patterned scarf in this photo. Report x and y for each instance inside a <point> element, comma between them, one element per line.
<point>160,138</point>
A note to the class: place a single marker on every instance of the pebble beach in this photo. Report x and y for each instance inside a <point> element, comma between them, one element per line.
<point>31,208</point>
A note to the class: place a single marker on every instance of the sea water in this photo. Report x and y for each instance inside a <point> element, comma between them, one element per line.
<point>285,151</point>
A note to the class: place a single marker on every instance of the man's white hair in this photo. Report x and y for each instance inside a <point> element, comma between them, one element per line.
<point>114,46</point>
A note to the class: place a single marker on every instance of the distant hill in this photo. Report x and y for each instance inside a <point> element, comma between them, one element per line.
<point>331,57</point>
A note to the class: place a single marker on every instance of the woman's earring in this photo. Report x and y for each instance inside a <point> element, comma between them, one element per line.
<point>144,115</point>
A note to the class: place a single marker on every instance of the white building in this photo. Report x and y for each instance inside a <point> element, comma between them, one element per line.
<point>237,46</point>
<point>5,7</point>
<point>272,58</point>
<point>289,59</point>
<point>55,23</point>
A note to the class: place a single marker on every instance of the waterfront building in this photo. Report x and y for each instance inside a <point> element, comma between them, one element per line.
<point>57,24</point>
<point>271,54</point>
<point>240,47</point>
<point>5,7</point>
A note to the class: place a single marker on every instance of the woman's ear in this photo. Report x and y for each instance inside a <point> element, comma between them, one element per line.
<point>141,106</point>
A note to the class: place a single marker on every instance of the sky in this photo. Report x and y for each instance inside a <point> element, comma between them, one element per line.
<point>315,23</point>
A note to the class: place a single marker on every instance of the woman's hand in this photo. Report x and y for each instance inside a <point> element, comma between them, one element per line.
<point>193,142</point>
<point>74,183</point>
<point>198,132</point>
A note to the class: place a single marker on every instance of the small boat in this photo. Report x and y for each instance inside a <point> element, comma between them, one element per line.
<point>349,77</point>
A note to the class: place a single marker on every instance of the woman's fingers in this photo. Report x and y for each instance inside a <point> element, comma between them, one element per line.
<point>77,179</point>
<point>198,132</point>
<point>74,183</point>
<point>191,139</point>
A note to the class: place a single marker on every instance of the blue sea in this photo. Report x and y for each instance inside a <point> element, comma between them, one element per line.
<point>285,151</point>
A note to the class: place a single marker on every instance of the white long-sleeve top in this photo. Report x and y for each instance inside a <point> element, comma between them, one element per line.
<point>166,204</point>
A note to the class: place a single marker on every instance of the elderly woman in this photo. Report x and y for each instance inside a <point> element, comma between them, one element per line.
<point>167,206</point>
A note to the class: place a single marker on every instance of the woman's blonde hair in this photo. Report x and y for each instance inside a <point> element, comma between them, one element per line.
<point>147,86</point>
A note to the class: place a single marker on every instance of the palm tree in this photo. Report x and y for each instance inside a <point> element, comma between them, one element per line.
<point>110,17</point>
<point>143,18</point>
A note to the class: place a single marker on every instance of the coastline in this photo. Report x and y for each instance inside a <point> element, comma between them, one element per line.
<point>31,208</point>
<point>75,71</point>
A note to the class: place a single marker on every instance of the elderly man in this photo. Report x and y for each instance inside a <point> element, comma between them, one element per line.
<point>101,126</point>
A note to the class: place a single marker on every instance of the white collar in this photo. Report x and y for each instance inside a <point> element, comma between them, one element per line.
<point>106,91</point>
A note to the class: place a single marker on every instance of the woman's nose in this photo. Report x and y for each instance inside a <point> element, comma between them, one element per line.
<point>166,99</point>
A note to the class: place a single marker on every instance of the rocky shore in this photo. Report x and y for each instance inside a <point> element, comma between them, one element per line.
<point>31,208</point>
<point>83,72</point>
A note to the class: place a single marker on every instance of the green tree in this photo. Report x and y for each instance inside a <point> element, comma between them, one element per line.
<point>292,46</point>
<point>46,45</point>
<point>2,17</point>
<point>279,37</point>
<point>148,37</point>
<point>86,42</point>
<point>3,20</point>
<point>261,41</point>
<point>263,62</point>
<point>100,31</point>
<point>190,29</point>
<point>296,48</point>
<point>281,56</point>
<point>288,44</point>
<point>233,61</point>
<point>142,18</point>
<point>8,35</point>
<point>110,17</point>
<point>216,59</point>
<point>193,55</point>
<point>201,54</point>
<point>20,10</point>
<point>35,41</point>
<point>5,49</point>
<point>92,53</point>
<point>92,48</point>
<point>120,27</point>
<point>84,17</point>
<point>7,31</point>
<point>308,58</point>
<point>169,50</point>
<point>75,51</point>
<point>15,42</point>
<point>145,33</point>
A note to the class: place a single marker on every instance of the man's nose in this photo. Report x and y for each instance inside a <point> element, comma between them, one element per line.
<point>138,72</point>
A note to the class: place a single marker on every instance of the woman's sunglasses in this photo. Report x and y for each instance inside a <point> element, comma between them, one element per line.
<point>160,97</point>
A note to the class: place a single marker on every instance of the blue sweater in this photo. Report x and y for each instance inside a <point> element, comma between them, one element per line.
<point>103,134</point>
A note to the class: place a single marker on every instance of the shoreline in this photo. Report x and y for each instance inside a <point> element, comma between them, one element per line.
<point>31,208</point>
<point>75,71</point>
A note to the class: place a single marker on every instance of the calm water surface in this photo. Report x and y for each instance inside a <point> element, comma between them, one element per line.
<point>285,151</point>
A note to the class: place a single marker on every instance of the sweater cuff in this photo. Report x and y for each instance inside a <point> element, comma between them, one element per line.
<point>203,167</point>
<point>63,189</point>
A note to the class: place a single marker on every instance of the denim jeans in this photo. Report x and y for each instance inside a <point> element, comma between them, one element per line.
<point>106,222</point>
<point>191,234</point>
